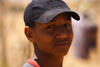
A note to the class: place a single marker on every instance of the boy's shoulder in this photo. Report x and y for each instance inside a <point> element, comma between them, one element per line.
<point>28,65</point>
<point>31,63</point>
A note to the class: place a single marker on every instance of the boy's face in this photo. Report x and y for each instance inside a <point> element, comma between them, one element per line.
<point>53,38</point>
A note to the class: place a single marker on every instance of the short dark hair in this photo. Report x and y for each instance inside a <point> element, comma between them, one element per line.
<point>32,25</point>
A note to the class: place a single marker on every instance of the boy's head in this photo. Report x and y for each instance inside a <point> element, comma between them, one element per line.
<point>49,27</point>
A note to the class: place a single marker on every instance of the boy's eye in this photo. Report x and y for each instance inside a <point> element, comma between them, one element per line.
<point>49,27</point>
<point>67,25</point>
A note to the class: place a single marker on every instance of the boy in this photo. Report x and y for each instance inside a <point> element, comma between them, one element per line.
<point>49,28</point>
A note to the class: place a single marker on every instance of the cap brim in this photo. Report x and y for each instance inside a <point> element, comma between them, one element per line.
<point>49,15</point>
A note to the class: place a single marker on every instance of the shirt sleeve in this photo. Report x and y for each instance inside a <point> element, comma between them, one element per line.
<point>28,65</point>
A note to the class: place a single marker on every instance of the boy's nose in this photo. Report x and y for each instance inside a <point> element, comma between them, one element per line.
<point>61,34</point>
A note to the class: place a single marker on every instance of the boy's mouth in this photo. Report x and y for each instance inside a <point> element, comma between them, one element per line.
<point>62,44</point>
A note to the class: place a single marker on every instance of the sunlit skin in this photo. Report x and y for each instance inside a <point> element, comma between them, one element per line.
<point>51,40</point>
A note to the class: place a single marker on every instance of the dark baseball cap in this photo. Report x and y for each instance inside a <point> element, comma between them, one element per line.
<point>43,11</point>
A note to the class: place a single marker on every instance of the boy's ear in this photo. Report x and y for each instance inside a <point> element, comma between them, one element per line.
<point>29,34</point>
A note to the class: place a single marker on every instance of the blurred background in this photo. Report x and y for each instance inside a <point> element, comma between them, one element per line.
<point>15,49</point>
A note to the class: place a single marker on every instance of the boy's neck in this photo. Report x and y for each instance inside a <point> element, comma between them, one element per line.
<point>47,61</point>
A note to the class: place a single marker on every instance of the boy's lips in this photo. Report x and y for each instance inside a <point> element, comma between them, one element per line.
<point>62,44</point>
